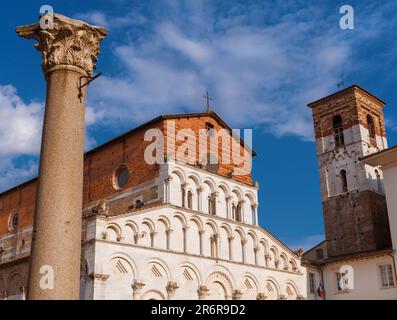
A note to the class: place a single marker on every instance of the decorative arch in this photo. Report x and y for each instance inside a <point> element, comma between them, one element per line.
<point>228,229</point>
<point>222,269</point>
<point>165,220</point>
<point>225,188</point>
<point>293,293</point>
<point>213,225</point>
<point>193,267</point>
<point>115,228</point>
<point>153,295</point>
<point>121,255</point>
<point>130,231</point>
<point>163,264</point>
<point>249,286</point>
<point>210,182</point>
<point>180,173</point>
<point>148,222</point>
<point>272,288</point>
<point>182,218</point>
<point>197,220</point>
<point>221,280</point>
<point>196,178</point>
<point>284,261</point>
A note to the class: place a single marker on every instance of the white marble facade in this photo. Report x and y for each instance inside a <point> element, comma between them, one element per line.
<point>191,248</point>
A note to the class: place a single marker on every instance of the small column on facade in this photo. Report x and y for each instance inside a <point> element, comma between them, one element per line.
<point>255,214</point>
<point>69,51</point>
<point>184,230</point>
<point>230,239</point>
<point>168,232</point>
<point>242,210</point>
<point>202,292</point>
<point>171,288</point>
<point>199,199</point>
<point>237,294</point>
<point>228,207</point>
<point>152,235</point>
<point>243,246</point>
<point>136,289</point>
<point>167,192</point>
<point>99,285</point>
<point>214,203</point>
<point>256,250</point>
<point>184,194</point>
<point>201,232</point>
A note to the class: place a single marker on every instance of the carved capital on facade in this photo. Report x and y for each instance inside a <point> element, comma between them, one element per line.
<point>199,189</point>
<point>99,276</point>
<point>202,292</point>
<point>137,286</point>
<point>169,230</point>
<point>67,42</point>
<point>168,179</point>
<point>201,231</point>
<point>171,288</point>
<point>256,249</point>
<point>282,297</point>
<point>300,297</point>
<point>230,238</point>
<point>237,294</point>
<point>261,296</point>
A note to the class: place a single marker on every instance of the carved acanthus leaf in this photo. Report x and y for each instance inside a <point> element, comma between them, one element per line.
<point>68,42</point>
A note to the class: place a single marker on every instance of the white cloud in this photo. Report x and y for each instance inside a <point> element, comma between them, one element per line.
<point>20,135</point>
<point>20,124</point>
<point>258,75</point>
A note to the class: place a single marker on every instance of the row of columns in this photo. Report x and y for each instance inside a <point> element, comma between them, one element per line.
<point>213,195</point>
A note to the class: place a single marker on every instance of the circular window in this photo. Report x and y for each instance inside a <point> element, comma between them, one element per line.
<point>13,220</point>
<point>121,177</point>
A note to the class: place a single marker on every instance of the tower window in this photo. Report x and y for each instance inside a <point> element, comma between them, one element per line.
<point>371,127</point>
<point>338,131</point>
<point>343,178</point>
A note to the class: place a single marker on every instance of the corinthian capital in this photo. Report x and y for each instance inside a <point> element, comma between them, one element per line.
<point>68,42</point>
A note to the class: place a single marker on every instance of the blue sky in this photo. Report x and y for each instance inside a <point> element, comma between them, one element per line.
<point>262,62</point>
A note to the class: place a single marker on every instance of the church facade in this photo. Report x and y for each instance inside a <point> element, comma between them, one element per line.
<point>167,230</point>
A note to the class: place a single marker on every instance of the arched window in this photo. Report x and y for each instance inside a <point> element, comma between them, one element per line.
<point>371,127</point>
<point>338,131</point>
<point>238,212</point>
<point>183,195</point>
<point>212,204</point>
<point>190,199</point>
<point>233,211</point>
<point>343,178</point>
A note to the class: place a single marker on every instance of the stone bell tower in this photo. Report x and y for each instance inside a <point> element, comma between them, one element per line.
<point>348,125</point>
<point>69,49</point>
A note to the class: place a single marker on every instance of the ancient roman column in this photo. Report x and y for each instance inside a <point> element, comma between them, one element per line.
<point>69,49</point>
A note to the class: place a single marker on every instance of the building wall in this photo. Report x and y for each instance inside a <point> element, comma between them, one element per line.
<point>249,261</point>
<point>367,282</point>
<point>390,180</point>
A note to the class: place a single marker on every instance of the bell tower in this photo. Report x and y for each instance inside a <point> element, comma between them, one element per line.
<point>349,125</point>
